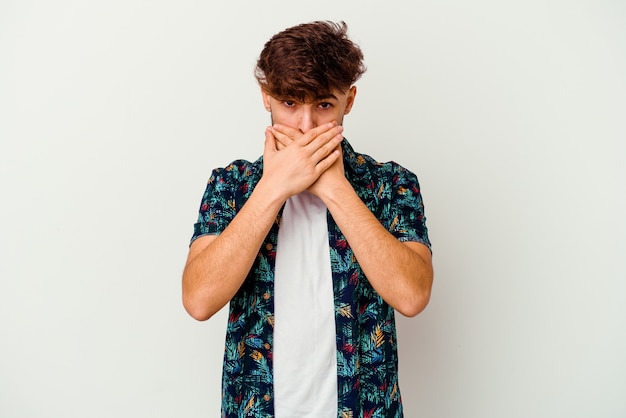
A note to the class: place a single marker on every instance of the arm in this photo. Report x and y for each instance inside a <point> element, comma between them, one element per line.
<point>401,272</point>
<point>217,265</point>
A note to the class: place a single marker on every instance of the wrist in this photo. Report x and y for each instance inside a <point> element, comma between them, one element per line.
<point>271,197</point>
<point>336,193</point>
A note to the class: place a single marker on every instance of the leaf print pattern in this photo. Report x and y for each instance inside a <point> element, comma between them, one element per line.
<point>378,337</point>
<point>345,310</point>
<point>367,359</point>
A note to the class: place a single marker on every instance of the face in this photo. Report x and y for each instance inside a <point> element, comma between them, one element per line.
<point>306,116</point>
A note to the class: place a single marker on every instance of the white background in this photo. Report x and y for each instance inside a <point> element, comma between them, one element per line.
<point>512,113</point>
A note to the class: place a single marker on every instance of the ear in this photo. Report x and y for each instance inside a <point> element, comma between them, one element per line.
<point>266,100</point>
<point>350,99</point>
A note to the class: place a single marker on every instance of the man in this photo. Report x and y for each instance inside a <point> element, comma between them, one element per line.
<point>313,246</point>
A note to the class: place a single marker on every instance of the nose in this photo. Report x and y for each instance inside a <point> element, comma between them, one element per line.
<point>306,121</point>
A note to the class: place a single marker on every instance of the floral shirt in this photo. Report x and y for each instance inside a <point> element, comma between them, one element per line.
<point>367,358</point>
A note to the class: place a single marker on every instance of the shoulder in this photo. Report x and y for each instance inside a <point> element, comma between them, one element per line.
<point>363,166</point>
<point>239,174</point>
<point>238,169</point>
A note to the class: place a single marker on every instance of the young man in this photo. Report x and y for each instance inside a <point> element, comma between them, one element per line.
<point>313,245</point>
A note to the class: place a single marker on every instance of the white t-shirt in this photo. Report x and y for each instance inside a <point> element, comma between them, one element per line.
<point>305,359</point>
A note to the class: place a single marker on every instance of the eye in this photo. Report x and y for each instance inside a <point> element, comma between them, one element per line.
<point>325,105</point>
<point>289,103</point>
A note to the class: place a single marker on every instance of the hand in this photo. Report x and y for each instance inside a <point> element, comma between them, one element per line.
<point>330,179</point>
<point>293,161</point>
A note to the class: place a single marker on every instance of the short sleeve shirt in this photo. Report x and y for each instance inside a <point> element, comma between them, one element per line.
<point>367,358</point>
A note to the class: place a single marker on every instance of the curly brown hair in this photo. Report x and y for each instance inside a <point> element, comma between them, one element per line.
<point>308,61</point>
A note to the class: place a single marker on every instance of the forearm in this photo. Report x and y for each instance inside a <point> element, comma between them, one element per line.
<point>400,272</point>
<point>217,266</point>
<point>215,273</point>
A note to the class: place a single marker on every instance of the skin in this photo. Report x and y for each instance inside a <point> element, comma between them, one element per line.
<point>302,152</point>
